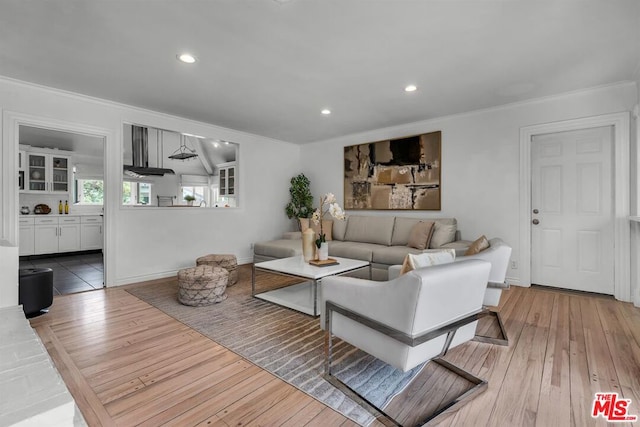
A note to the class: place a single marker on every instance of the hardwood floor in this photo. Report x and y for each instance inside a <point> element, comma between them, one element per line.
<point>127,363</point>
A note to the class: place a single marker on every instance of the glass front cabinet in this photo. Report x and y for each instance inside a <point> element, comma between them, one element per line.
<point>227,179</point>
<point>47,173</point>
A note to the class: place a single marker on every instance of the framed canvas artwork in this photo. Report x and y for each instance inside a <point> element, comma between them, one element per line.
<point>396,174</point>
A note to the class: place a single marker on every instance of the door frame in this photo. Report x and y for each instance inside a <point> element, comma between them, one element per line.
<point>11,122</point>
<point>620,144</point>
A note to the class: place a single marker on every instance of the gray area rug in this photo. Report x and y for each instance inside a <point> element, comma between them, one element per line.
<point>284,342</point>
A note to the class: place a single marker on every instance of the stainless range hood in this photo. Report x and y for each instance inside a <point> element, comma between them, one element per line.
<point>140,155</point>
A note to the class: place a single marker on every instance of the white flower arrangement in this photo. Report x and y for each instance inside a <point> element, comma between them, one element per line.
<point>334,210</point>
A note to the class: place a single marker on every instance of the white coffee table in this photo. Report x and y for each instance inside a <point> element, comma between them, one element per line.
<point>302,297</point>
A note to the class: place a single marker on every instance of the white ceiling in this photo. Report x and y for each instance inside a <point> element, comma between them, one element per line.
<point>268,67</point>
<point>86,145</point>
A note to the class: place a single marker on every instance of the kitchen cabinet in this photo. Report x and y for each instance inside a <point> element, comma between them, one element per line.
<point>27,237</point>
<point>47,173</point>
<point>69,234</point>
<point>46,236</point>
<point>52,235</point>
<point>91,232</point>
<point>227,181</point>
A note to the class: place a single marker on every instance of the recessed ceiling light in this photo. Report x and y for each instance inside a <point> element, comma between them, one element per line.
<point>326,111</point>
<point>187,58</point>
<point>215,144</point>
<point>411,88</point>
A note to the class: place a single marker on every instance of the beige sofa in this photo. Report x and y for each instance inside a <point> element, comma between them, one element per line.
<point>381,240</point>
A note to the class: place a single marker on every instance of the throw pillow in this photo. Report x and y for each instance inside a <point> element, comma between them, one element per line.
<point>420,235</point>
<point>339,229</point>
<point>443,234</point>
<point>427,259</point>
<point>327,226</point>
<point>478,246</point>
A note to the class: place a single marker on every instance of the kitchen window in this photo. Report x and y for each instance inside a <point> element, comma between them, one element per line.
<point>136,193</point>
<point>89,191</point>
<point>199,192</point>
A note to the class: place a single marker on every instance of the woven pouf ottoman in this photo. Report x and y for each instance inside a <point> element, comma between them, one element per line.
<point>202,285</point>
<point>228,262</point>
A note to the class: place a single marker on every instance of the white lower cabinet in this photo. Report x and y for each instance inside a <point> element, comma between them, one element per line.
<point>46,235</point>
<point>69,234</point>
<point>27,238</point>
<point>54,235</point>
<point>91,232</point>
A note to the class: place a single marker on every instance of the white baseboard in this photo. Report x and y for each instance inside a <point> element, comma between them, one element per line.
<point>247,260</point>
<point>161,275</point>
<point>516,282</point>
<point>143,278</point>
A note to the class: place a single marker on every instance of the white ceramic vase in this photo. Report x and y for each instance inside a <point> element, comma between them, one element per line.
<point>323,252</point>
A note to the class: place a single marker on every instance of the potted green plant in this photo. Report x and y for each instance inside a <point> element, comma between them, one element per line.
<point>189,199</point>
<point>301,204</point>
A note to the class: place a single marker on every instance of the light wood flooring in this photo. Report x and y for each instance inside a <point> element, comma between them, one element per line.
<point>127,363</point>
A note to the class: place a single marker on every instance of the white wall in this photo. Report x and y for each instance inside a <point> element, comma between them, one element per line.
<point>480,159</point>
<point>145,243</point>
<point>635,195</point>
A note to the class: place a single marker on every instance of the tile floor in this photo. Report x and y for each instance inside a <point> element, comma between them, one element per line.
<point>71,273</point>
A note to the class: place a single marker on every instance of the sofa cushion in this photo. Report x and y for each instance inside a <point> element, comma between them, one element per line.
<point>340,228</point>
<point>361,251</point>
<point>370,229</point>
<point>478,246</point>
<point>420,236</point>
<point>402,230</point>
<point>327,226</point>
<point>282,248</point>
<point>391,255</point>
<point>444,232</point>
<point>427,259</point>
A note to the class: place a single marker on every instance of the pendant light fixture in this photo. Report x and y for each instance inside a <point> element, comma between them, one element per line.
<point>183,152</point>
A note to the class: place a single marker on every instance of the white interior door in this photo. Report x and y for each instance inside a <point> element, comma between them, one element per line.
<point>572,210</point>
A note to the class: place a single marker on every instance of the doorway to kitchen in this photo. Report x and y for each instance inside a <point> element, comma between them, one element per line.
<point>61,199</point>
<point>71,272</point>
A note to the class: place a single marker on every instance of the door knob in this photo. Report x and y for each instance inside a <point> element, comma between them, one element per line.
<point>535,211</point>
<point>536,222</point>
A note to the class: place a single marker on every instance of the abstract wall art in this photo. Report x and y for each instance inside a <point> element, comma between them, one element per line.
<point>395,174</point>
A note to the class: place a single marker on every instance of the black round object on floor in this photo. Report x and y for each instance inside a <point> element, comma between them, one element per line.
<point>35,290</point>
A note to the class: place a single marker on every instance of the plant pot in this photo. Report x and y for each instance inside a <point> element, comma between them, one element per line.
<point>323,251</point>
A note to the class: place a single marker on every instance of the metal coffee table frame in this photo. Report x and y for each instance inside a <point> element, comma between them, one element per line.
<point>306,272</point>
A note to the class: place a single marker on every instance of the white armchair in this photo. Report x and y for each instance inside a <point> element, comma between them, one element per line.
<point>406,321</point>
<point>498,254</point>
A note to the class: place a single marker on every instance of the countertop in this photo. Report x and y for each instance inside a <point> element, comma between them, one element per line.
<point>59,215</point>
